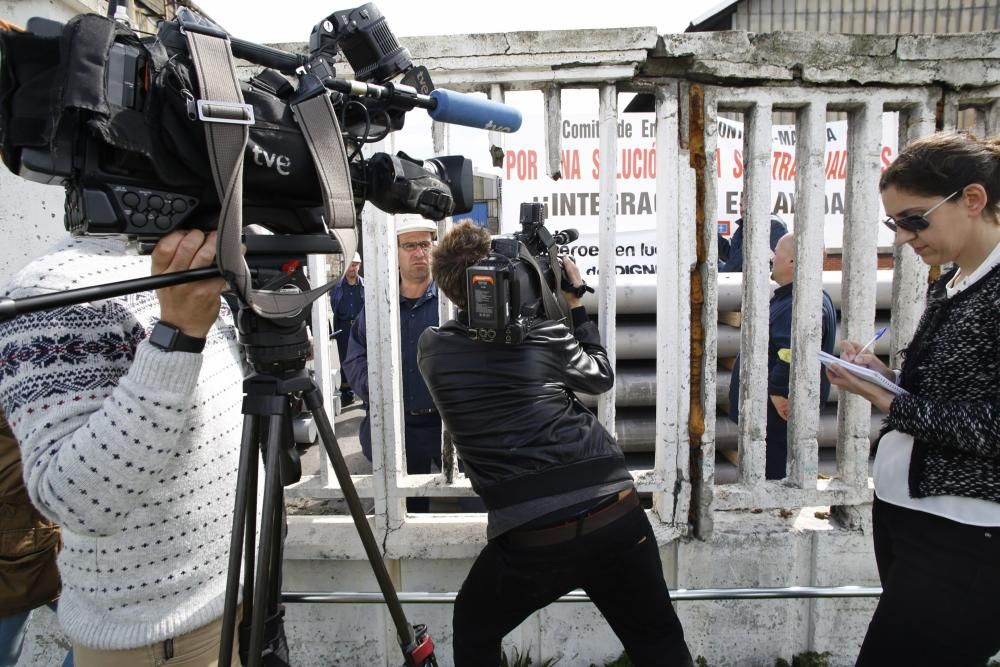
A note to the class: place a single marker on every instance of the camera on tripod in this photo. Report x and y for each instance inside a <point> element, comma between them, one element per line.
<point>520,282</point>
<point>114,116</point>
<point>153,134</point>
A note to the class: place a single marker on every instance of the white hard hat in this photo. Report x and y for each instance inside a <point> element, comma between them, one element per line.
<point>414,223</point>
<point>357,258</point>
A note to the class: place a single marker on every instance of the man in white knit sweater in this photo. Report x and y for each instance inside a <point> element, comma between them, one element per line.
<point>130,435</point>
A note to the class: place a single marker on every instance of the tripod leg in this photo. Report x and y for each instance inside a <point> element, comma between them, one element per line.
<point>314,401</point>
<point>250,540</point>
<point>272,488</point>
<point>278,523</point>
<point>246,487</point>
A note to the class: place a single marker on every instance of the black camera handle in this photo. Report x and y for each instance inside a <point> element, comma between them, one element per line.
<point>297,63</point>
<point>10,308</point>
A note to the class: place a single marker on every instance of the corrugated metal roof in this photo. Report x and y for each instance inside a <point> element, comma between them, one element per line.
<point>853,16</point>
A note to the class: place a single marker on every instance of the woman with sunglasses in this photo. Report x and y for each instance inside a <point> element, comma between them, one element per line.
<point>936,513</point>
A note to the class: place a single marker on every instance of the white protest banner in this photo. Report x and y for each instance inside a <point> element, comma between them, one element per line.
<point>573,200</point>
<point>729,170</point>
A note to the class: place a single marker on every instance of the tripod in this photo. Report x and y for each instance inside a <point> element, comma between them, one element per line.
<point>276,350</point>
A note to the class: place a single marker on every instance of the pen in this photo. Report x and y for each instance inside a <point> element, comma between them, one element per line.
<point>870,343</point>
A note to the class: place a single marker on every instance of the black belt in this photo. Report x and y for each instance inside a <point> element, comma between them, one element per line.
<point>422,413</point>
<point>588,523</point>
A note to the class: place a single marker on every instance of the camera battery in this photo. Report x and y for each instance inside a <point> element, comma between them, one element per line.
<point>488,295</point>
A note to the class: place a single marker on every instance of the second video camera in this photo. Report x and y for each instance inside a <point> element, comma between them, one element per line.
<point>520,282</point>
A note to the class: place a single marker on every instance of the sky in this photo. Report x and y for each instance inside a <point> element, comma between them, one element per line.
<point>292,20</point>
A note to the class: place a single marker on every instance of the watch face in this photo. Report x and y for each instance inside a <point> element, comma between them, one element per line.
<point>163,336</point>
<point>170,338</point>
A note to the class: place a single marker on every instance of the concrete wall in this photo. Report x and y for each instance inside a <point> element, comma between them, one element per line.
<point>747,549</point>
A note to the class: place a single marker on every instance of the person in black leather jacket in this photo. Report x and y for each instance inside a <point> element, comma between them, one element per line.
<point>563,510</point>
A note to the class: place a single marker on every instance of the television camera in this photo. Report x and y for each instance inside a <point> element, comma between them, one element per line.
<point>517,283</point>
<point>116,118</point>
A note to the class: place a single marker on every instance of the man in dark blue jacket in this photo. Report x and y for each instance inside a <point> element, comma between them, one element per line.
<point>780,338</point>
<point>347,298</point>
<point>731,249</point>
<point>418,309</point>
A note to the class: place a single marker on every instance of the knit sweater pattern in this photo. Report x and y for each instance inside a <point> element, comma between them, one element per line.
<point>132,449</point>
<point>952,371</point>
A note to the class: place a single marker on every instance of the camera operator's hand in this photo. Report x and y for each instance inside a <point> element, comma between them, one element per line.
<point>191,307</point>
<point>572,275</point>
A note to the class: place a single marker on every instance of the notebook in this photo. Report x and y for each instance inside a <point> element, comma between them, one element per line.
<point>863,373</point>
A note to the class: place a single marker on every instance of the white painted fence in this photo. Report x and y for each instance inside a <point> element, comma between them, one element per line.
<point>787,73</point>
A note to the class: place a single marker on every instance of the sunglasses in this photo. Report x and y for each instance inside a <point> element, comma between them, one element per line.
<point>915,223</point>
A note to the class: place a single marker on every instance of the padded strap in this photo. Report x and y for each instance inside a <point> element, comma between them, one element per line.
<point>554,310</point>
<point>227,120</point>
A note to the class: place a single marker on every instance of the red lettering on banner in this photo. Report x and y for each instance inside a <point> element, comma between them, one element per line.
<point>836,165</point>
<point>637,163</point>
<point>523,163</point>
<point>886,156</point>
<point>782,166</point>
<point>571,163</point>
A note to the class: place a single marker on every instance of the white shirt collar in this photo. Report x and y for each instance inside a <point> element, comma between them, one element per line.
<point>964,282</point>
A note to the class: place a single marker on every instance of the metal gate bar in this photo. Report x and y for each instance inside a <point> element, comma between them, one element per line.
<point>679,595</point>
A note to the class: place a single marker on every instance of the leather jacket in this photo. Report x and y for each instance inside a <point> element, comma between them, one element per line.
<point>512,411</point>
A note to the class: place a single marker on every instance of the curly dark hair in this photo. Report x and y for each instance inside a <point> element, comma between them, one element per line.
<point>463,245</point>
<point>941,163</point>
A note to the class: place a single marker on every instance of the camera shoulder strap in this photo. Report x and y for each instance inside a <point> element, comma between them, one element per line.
<point>318,120</point>
<point>553,309</point>
<point>227,119</point>
<point>557,273</point>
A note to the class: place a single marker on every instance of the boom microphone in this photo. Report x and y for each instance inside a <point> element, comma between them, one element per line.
<point>445,106</point>
<point>461,109</point>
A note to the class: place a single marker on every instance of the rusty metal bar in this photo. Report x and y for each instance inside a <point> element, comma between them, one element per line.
<point>702,116</point>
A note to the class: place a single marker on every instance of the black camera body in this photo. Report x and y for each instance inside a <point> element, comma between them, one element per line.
<point>519,282</point>
<point>113,117</point>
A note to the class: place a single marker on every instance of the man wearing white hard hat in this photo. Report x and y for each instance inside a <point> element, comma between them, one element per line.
<point>418,309</point>
<point>347,298</point>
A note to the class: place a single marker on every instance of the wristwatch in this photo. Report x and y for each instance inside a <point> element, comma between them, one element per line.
<point>171,339</point>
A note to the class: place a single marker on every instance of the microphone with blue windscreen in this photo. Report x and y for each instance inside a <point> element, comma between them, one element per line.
<point>472,111</point>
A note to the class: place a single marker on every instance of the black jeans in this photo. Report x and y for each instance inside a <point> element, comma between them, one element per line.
<point>940,603</point>
<point>619,568</point>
